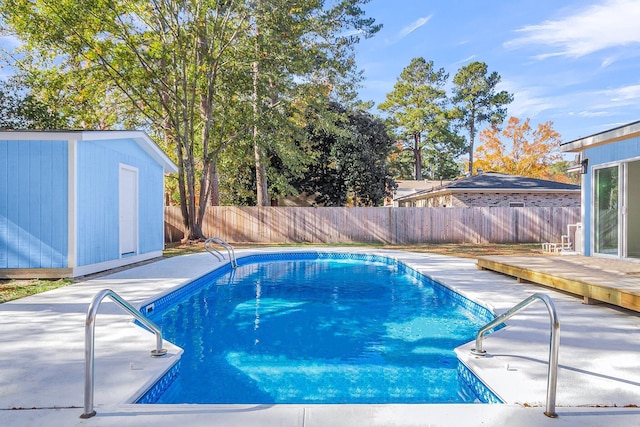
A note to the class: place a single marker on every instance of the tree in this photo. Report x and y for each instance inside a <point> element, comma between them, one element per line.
<point>349,148</point>
<point>164,57</point>
<point>24,111</point>
<point>188,69</point>
<point>302,49</point>
<point>559,172</point>
<point>443,150</point>
<point>527,152</point>
<point>474,93</point>
<point>417,107</point>
<point>368,176</point>
<point>401,162</point>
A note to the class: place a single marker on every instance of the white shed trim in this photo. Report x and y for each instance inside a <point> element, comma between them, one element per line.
<point>141,138</point>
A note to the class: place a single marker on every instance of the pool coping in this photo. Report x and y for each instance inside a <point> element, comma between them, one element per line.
<point>53,337</point>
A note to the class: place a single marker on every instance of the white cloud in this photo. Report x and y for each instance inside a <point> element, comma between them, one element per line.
<point>404,32</point>
<point>623,95</point>
<point>604,103</point>
<point>467,59</point>
<point>590,114</point>
<point>412,27</point>
<point>528,101</point>
<point>608,24</point>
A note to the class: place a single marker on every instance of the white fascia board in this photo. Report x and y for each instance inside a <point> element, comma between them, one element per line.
<point>20,135</point>
<point>142,139</point>
<point>613,135</point>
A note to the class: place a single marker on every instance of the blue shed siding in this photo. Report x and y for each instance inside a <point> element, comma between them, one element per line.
<point>97,199</point>
<point>4,203</point>
<point>151,208</point>
<point>609,153</point>
<point>33,204</point>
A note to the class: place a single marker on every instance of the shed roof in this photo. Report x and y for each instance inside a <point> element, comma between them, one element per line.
<point>497,182</point>
<point>619,133</point>
<point>141,138</point>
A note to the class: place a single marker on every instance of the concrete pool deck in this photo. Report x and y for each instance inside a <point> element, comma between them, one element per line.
<point>42,357</point>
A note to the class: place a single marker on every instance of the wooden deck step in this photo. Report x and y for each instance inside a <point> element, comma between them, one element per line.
<point>612,281</point>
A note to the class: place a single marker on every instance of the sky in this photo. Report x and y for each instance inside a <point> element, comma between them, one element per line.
<point>575,63</point>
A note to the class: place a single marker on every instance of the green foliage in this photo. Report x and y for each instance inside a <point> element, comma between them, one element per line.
<point>559,171</point>
<point>220,83</point>
<point>401,162</point>
<point>26,112</point>
<point>302,51</point>
<point>474,94</point>
<point>419,115</point>
<point>349,165</point>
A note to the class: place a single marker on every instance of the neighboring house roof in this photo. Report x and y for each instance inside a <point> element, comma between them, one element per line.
<point>408,187</point>
<point>496,183</point>
<point>612,135</point>
<point>141,138</point>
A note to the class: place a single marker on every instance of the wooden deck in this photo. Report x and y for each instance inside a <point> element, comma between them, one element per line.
<point>595,279</point>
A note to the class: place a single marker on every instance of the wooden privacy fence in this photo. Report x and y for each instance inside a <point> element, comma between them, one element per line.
<point>378,225</point>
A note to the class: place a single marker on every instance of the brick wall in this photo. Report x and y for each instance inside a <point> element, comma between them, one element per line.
<point>502,200</point>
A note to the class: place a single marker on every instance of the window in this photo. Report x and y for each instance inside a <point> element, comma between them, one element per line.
<point>516,204</point>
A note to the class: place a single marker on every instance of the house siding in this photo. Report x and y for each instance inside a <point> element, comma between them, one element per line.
<point>33,204</point>
<point>98,213</point>
<point>609,153</point>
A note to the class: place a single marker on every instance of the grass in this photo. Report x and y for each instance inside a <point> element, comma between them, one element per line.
<point>15,289</point>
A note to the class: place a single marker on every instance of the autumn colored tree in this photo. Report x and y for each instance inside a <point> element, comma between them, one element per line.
<point>521,150</point>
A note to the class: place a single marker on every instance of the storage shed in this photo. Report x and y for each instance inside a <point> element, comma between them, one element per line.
<point>78,202</point>
<point>610,167</point>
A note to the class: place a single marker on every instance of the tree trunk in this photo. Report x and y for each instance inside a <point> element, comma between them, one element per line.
<point>214,198</point>
<point>262,189</point>
<point>417,154</point>
<point>472,137</point>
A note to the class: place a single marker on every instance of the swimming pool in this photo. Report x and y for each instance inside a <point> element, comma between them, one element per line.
<point>316,328</point>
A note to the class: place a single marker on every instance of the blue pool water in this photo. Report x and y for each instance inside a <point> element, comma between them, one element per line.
<point>321,330</point>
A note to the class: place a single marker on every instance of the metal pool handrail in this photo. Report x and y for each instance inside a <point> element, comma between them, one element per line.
<point>208,245</point>
<point>554,344</point>
<point>89,342</point>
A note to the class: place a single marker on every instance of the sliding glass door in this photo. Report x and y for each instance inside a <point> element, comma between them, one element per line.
<point>606,215</point>
<point>631,190</point>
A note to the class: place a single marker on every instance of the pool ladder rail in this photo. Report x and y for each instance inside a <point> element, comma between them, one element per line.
<point>210,246</point>
<point>554,344</point>
<point>89,342</point>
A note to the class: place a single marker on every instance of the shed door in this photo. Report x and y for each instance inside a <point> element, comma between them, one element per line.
<point>128,201</point>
